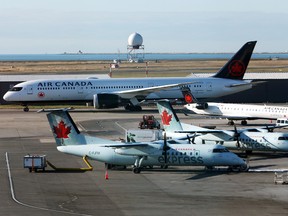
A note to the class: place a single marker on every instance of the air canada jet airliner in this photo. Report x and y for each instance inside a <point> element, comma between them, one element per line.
<point>130,92</point>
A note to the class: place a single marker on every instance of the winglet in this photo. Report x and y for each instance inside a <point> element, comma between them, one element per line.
<point>236,67</point>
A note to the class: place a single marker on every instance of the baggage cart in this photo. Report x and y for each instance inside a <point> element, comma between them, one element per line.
<point>35,162</point>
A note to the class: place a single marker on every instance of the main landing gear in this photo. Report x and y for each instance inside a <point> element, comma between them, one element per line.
<point>243,168</point>
<point>243,122</point>
<point>137,165</point>
<point>131,107</point>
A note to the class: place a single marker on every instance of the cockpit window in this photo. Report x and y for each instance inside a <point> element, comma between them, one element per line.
<point>220,150</point>
<point>16,89</point>
<point>282,138</point>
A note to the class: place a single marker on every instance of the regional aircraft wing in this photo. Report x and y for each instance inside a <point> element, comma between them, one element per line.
<point>133,149</point>
<point>146,91</point>
<point>228,135</point>
<point>127,145</point>
<point>215,135</point>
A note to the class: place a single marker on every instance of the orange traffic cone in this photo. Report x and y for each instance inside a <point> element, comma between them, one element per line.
<point>106,175</point>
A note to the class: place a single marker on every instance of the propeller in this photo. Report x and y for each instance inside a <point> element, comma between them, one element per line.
<point>193,138</point>
<point>165,148</point>
<point>236,136</point>
<point>189,138</point>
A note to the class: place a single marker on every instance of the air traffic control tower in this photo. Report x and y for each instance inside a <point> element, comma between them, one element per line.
<point>135,49</point>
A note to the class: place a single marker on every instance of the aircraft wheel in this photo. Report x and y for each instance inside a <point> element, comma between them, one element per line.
<point>133,108</point>
<point>244,122</point>
<point>234,168</point>
<point>136,170</point>
<point>26,109</point>
<point>164,166</point>
<point>109,166</point>
<point>248,152</point>
<point>209,167</point>
<point>244,168</point>
<point>230,122</point>
<point>138,108</point>
<point>127,107</point>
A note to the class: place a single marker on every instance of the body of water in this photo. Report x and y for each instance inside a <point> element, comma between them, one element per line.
<point>124,57</point>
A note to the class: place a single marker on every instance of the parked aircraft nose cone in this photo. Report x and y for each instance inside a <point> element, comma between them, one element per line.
<point>6,97</point>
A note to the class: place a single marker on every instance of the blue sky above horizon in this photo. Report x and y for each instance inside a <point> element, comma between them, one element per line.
<point>38,26</point>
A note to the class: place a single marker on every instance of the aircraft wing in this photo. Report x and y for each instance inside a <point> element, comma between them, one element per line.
<point>226,135</point>
<point>214,135</point>
<point>200,131</point>
<point>146,91</point>
<point>240,84</point>
<point>266,128</point>
<point>134,149</point>
<point>127,145</point>
<point>249,82</point>
<point>232,117</point>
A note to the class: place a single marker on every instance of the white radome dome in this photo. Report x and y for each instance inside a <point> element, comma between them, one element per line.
<point>135,40</point>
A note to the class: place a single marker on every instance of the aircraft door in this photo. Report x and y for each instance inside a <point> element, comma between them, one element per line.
<point>209,86</point>
<point>80,89</point>
<point>30,89</point>
<point>151,84</point>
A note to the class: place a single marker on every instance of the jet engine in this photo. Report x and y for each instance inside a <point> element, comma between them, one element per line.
<point>202,106</point>
<point>105,100</point>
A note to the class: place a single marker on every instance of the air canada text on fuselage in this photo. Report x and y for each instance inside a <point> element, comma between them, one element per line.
<point>64,84</point>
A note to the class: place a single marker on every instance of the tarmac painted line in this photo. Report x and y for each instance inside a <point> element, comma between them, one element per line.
<point>268,170</point>
<point>27,205</point>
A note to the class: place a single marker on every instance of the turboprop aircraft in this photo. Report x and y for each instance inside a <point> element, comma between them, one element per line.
<point>71,141</point>
<point>130,92</point>
<point>233,111</point>
<point>249,139</point>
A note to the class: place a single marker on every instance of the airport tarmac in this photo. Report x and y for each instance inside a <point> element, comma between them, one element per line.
<point>175,191</point>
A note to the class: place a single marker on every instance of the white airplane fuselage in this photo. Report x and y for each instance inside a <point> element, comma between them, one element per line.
<point>177,155</point>
<point>85,89</point>
<point>241,111</point>
<point>256,141</point>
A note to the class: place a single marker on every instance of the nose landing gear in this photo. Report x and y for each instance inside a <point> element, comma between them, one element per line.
<point>26,108</point>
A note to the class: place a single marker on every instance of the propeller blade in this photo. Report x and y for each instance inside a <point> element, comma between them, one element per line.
<point>165,148</point>
<point>188,137</point>
<point>236,137</point>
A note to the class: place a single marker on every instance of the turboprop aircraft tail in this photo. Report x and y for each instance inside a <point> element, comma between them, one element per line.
<point>169,118</point>
<point>66,132</point>
<point>236,67</point>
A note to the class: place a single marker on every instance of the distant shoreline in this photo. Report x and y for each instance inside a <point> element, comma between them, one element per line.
<point>124,56</point>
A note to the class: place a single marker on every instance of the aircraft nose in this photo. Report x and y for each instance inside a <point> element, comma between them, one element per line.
<point>10,96</point>
<point>6,96</point>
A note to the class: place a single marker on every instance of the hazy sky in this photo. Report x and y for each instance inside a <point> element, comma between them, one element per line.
<point>57,26</point>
